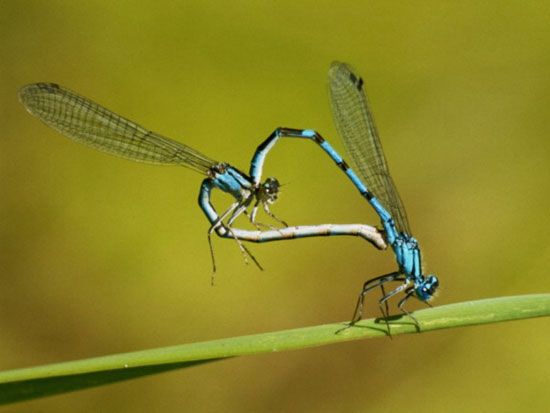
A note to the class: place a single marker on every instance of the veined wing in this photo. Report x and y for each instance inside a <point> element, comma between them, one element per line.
<point>91,124</point>
<point>355,124</point>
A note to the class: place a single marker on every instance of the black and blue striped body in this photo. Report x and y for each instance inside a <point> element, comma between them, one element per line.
<point>405,247</point>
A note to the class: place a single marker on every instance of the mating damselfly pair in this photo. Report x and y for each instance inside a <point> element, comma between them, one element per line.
<point>87,122</point>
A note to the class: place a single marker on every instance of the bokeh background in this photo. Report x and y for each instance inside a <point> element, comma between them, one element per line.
<point>100,255</point>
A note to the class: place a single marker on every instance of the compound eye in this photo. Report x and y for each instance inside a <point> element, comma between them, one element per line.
<point>271,185</point>
<point>272,182</point>
<point>269,190</point>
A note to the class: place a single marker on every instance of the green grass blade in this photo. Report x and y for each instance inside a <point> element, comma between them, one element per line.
<point>35,382</point>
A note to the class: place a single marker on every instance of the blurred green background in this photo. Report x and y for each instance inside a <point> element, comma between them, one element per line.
<point>100,255</point>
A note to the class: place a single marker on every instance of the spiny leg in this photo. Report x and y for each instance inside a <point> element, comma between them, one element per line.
<point>252,218</point>
<point>212,258</point>
<point>235,210</point>
<point>259,225</point>
<point>245,251</point>
<point>385,311</point>
<point>243,205</point>
<point>368,286</point>
<point>241,209</point>
<point>401,306</point>
<point>272,215</point>
<point>358,312</point>
<point>386,297</point>
<point>217,223</point>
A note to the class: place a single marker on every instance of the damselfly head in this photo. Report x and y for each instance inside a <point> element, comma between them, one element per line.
<point>427,288</point>
<point>269,190</point>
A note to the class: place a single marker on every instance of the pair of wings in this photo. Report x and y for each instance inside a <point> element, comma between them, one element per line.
<point>355,124</point>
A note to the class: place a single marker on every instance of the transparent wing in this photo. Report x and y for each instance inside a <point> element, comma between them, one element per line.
<point>355,125</point>
<point>91,124</point>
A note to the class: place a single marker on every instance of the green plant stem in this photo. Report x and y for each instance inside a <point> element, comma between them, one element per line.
<point>34,382</point>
